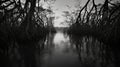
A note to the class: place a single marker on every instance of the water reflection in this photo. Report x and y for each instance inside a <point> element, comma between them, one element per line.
<point>59,50</point>
<point>93,53</point>
<point>22,55</point>
<point>60,54</point>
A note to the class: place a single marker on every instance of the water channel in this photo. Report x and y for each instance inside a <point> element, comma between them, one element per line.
<point>60,50</point>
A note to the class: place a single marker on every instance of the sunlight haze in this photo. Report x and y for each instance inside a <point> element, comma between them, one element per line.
<point>61,5</point>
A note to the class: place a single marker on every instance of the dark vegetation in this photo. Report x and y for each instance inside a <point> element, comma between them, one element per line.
<point>101,21</point>
<point>21,21</point>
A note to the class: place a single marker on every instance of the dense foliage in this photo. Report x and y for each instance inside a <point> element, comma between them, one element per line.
<point>22,20</point>
<point>100,20</point>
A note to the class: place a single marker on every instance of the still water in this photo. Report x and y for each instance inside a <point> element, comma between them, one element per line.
<point>60,50</point>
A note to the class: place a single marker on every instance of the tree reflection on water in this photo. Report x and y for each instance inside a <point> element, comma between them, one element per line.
<point>59,50</point>
<point>93,53</point>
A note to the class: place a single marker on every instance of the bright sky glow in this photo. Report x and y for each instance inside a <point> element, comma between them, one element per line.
<point>61,5</point>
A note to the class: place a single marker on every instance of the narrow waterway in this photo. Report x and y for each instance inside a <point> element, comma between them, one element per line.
<point>60,50</point>
<point>61,54</point>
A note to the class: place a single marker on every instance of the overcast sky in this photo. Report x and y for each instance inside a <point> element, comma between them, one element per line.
<point>61,5</point>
